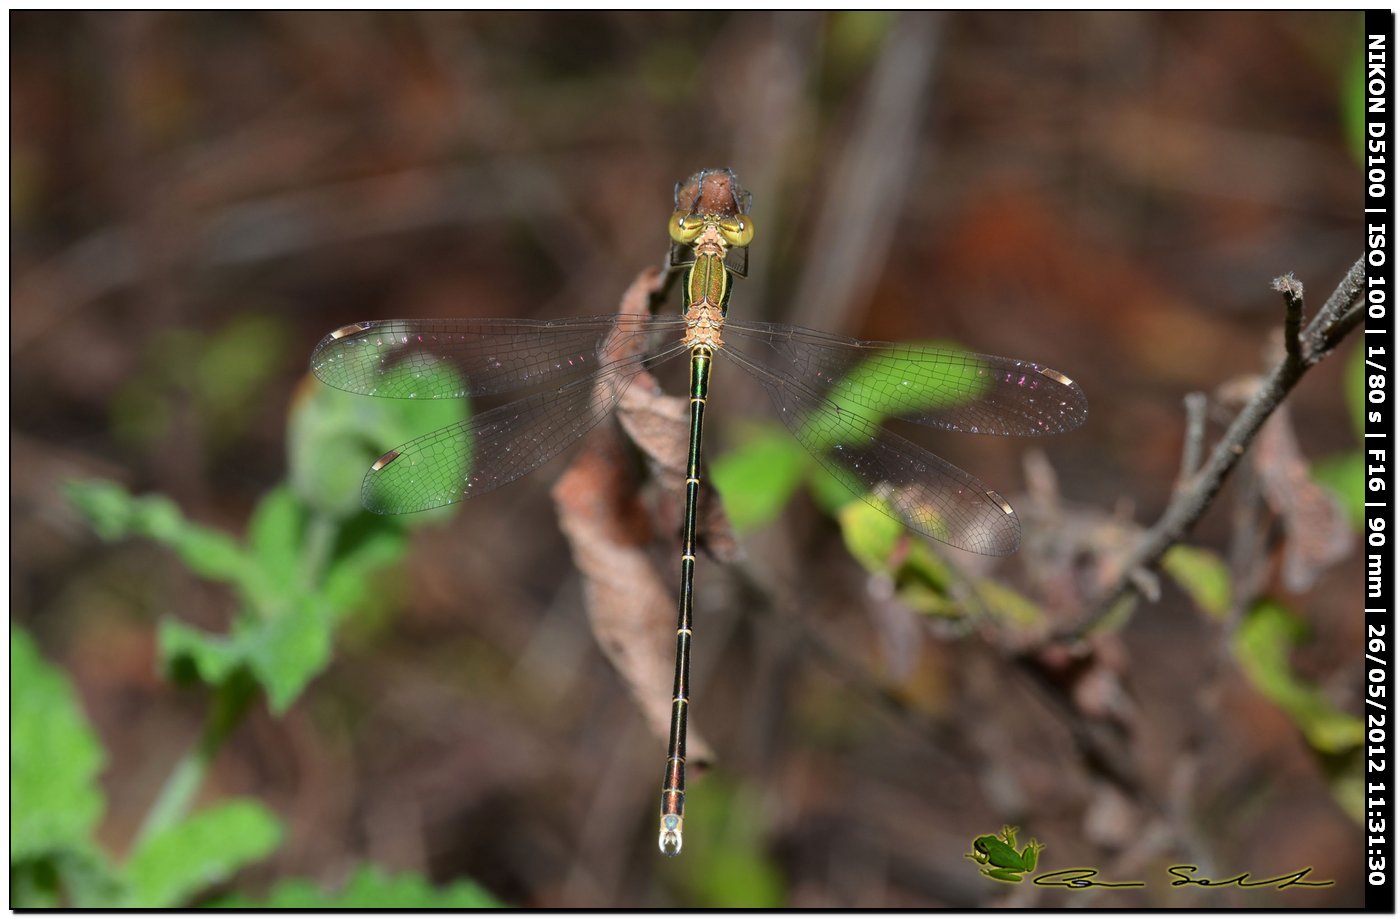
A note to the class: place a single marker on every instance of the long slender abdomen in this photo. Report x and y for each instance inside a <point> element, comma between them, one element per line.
<point>673,784</point>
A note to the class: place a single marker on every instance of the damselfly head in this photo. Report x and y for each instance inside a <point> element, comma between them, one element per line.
<point>712,198</point>
<point>712,193</point>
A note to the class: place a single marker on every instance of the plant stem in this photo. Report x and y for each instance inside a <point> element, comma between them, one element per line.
<point>321,534</point>
<point>231,701</point>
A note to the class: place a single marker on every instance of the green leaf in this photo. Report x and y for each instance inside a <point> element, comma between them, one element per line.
<point>287,652</point>
<point>1202,575</point>
<point>116,514</point>
<point>284,652</point>
<point>924,584</point>
<point>347,582</point>
<point>275,536</point>
<point>922,580</point>
<point>79,877</point>
<point>1347,779</point>
<point>758,478</point>
<point>108,507</point>
<point>191,653</point>
<point>1008,605</point>
<point>1262,646</point>
<point>870,536</point>
<point>371,888</point>
<point>203,849</point>
<point>922,597</point>
<point>55,756</point>
<point>333,437</point>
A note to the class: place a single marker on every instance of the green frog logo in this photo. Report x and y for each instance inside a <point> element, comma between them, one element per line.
<point>1000,859</point>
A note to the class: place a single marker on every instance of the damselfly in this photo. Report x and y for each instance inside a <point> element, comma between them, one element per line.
<point>832,393</point>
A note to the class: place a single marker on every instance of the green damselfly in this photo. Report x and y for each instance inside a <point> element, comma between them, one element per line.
<point>832,393</point>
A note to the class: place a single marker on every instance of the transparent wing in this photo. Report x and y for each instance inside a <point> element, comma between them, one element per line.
<point>905,481</point>
<point>404,358</point>
<point>498,446</point>
<point>943,387</point>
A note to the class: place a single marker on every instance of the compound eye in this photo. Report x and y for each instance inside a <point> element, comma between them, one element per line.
<point>737,231</point>
<point>685,226</point>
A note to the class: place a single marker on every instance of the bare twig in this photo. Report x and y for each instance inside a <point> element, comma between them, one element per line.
<point>1190,503</point>
<point>1332,335</point>
<point>1194,440</point>
<point>1343,299</point>
<point>1292,314</point>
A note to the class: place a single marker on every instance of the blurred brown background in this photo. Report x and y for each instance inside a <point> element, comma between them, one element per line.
<point>1107,193</point>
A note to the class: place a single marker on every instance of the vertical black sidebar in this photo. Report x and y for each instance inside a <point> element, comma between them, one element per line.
<point>1380,457</point>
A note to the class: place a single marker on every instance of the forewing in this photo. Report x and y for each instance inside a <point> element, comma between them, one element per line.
<point>397,358</point>
<point>943,387</point>
<point>495,447</point>
<point>922,491</point>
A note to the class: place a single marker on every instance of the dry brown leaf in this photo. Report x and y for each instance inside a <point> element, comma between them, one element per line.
<point>602,512</point>
<point>659,425</point>
<point>630,608</point>
<point>1316,529</point>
